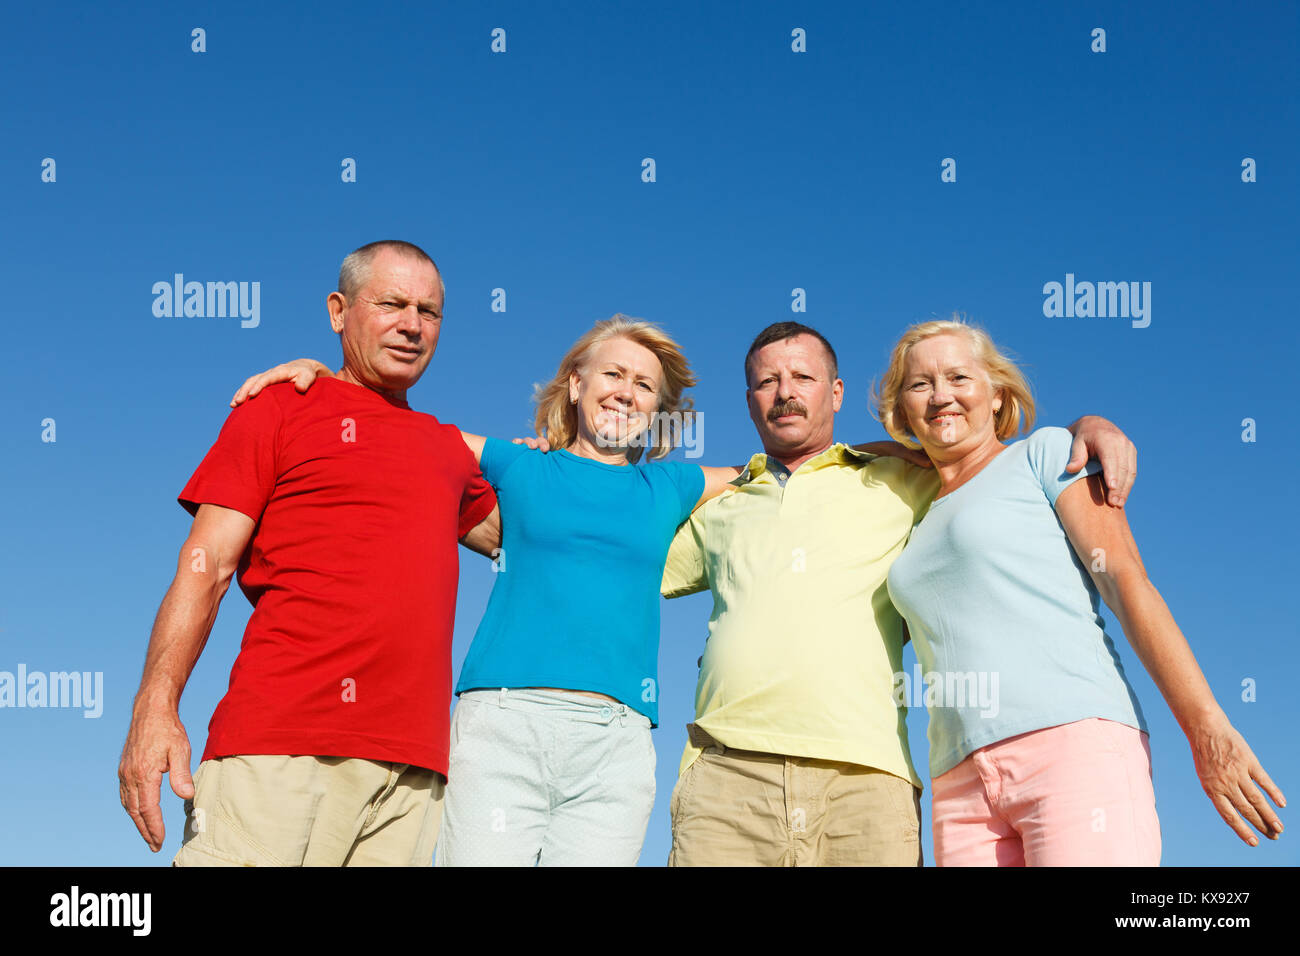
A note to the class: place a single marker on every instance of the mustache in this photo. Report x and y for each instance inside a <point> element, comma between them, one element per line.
<point>789,407</point>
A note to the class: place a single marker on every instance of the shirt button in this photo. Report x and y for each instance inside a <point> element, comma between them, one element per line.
<point>606,712</point>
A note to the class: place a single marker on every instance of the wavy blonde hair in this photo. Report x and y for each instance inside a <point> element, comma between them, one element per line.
<point>557,419</point>
<point>1016,415</point>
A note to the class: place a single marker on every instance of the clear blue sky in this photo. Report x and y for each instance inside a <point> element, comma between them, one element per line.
<point>522,170</point>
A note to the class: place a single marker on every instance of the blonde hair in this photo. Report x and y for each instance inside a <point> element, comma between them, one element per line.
<point>1015,416</point>
<point>557,419</point>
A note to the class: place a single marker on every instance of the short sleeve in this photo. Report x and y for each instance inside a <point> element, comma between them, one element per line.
<point>478,499</point>
<point>497,458</point>
<point>689,481</point>
<point>239,470</point>
<point>1048,451</point>
<point>684,571</point>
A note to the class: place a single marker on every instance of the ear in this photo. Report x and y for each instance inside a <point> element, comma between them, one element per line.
<point>575,380</point>
<point>336,305</point>
<point>837,394</point>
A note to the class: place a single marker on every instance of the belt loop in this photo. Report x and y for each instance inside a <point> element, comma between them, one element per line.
<point>501,700</point>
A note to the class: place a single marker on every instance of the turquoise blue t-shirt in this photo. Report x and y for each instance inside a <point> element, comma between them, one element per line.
<point>1003,615</point>
<point>576,600</point>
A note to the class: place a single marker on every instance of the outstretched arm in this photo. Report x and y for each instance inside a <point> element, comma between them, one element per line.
<point>1228,769</point>
<point>156,742</point>
<point>302,372</point>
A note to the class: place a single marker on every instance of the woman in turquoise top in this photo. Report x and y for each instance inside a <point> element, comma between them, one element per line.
<point>1038,746</point>
<point>551,760</point>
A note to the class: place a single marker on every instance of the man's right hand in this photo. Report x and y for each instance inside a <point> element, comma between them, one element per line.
<point>156,744</point>
<point>302,372</point>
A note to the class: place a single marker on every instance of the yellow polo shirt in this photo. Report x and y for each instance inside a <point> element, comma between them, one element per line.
<point>803,641</point>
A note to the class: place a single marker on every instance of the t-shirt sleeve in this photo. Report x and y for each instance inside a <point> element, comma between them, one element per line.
<point>239,470</point>
<point>689,481</point>
<point>684,571</point>
<point>1048,451</point>
<point>497,457</point>
<point>478,499</point>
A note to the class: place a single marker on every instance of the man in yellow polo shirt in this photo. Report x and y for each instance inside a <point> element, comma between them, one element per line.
<point>798,755</point>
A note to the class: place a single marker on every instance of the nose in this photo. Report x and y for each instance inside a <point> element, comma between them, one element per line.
<point>408,322</point>
<point>784,387</point>
<point>942,395</point>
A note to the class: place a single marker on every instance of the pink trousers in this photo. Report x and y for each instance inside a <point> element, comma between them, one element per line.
<point>1074,795</point>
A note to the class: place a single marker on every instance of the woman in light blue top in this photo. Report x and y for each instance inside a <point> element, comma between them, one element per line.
<point>1037,742</point>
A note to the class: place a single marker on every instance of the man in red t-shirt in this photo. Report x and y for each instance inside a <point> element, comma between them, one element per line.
<point>340,510</point>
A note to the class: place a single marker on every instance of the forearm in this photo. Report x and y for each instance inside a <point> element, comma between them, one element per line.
<point>1162,648</point>
<point>180,632</point>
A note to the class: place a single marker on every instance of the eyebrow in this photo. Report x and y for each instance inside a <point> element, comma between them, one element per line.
<point>623,368</point>
<point>404,298</point>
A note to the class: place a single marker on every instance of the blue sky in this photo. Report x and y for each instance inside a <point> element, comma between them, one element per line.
<point>775,170</point>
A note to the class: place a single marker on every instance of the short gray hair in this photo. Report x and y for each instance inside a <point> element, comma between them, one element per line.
<point>355,271</point>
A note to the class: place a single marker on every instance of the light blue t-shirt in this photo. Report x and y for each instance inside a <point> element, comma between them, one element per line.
<point>1003,615</point>
<point>576,600</point>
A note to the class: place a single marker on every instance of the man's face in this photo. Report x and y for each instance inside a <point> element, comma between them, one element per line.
<point>792,397</point>
<point>389,328</point>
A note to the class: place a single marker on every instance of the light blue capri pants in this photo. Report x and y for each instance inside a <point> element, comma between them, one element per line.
<point>544,778</point>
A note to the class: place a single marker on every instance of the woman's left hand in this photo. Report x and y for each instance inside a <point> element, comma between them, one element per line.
<point>1229,773</point>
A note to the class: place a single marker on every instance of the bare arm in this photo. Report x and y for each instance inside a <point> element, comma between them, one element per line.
<point>716,480</point>
<point>475,444</point>
<point>1095,437</point>
<point>485,537</point>
<point>1228,769</point>
<point>302,372</point>
<point>894,449</point>
<point>156,742</point>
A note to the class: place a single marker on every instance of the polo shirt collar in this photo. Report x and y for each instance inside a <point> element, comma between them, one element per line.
<point>837,453</point>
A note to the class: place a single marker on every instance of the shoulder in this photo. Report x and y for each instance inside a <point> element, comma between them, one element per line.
<point>1048,438</point>
<point>1047,449</point>
<point>912,483</point>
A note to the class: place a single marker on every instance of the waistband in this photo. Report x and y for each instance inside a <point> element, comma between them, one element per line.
<point>560,705</point>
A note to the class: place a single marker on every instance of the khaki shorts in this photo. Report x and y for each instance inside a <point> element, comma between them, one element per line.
<point>742,808</point>
<point>261,810</point>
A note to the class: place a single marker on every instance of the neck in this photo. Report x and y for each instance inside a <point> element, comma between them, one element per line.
<point>584,447</point>
<point>792,459</point>
<point>395,395</point>
<point>955,469</point>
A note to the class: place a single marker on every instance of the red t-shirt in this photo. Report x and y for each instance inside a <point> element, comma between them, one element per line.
<point>351,571</point>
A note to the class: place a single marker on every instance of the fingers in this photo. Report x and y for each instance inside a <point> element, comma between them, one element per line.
<point>130,802</point>
<point>1269,816</point>
<point>244,392</point>
<point>303,379</point>
<point>139,793</point>
<point>1264,780</point>
<point>179,762</point>
<point>1128,475</point>
<point>1078,455</point>
<point>1230,817</point>
<point>147,797</point>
